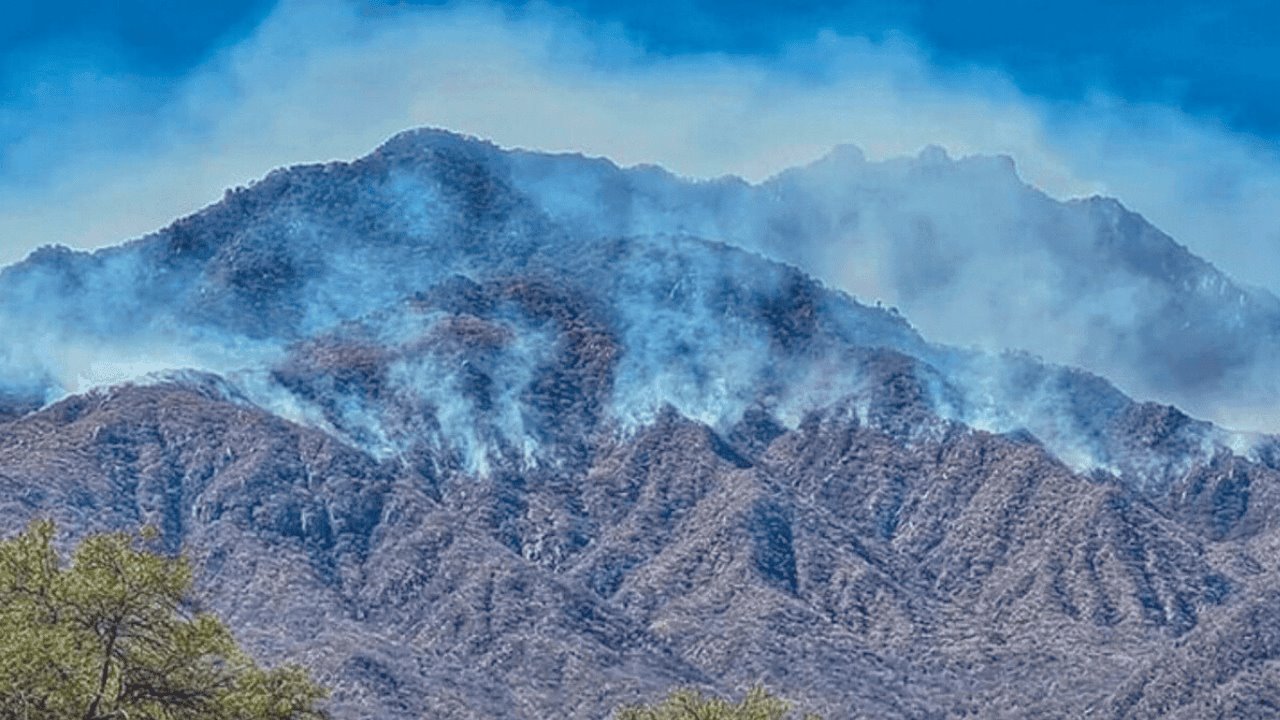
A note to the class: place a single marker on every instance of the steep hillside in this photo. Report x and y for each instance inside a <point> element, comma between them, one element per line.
<point>471,457</point>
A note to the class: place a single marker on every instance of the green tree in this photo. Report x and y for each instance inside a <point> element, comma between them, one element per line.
<point>110,634</point>
<point>688,704</point>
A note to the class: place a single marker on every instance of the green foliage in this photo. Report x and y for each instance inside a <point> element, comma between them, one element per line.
<point>109,635</point>
<point>692,705</point>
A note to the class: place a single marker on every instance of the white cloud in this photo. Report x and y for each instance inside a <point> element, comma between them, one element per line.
<point>322,80</point>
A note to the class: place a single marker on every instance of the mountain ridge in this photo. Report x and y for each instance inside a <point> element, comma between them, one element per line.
<point>465,457</point>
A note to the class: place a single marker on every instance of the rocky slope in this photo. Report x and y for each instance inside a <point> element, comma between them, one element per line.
<point>428,434</point>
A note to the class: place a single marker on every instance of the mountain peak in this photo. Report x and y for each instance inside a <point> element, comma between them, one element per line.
<point>844,154</point>
<point>933,155</point>
<point>571,430</point>
<point>418,140</point>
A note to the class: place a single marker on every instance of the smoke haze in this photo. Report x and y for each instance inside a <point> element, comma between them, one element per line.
<point>972,254</point>
<point>94,155</point>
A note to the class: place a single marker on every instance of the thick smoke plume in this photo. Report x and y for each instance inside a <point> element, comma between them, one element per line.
<point>446,304</point>
<point>974,257</point>
<point>101,154</point>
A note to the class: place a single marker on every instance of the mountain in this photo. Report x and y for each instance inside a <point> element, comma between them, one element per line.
<point>470,452</point>
<point>975,257</point>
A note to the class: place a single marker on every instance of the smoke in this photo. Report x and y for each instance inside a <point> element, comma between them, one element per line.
<point>964,247</point>
<point>417,305</point>
<point>116,156</point>
<point>975,257</point>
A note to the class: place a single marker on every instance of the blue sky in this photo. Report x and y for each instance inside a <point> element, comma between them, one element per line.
<point>116,117</point>
<point>1212,58</point>
<point>1216,59</point>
